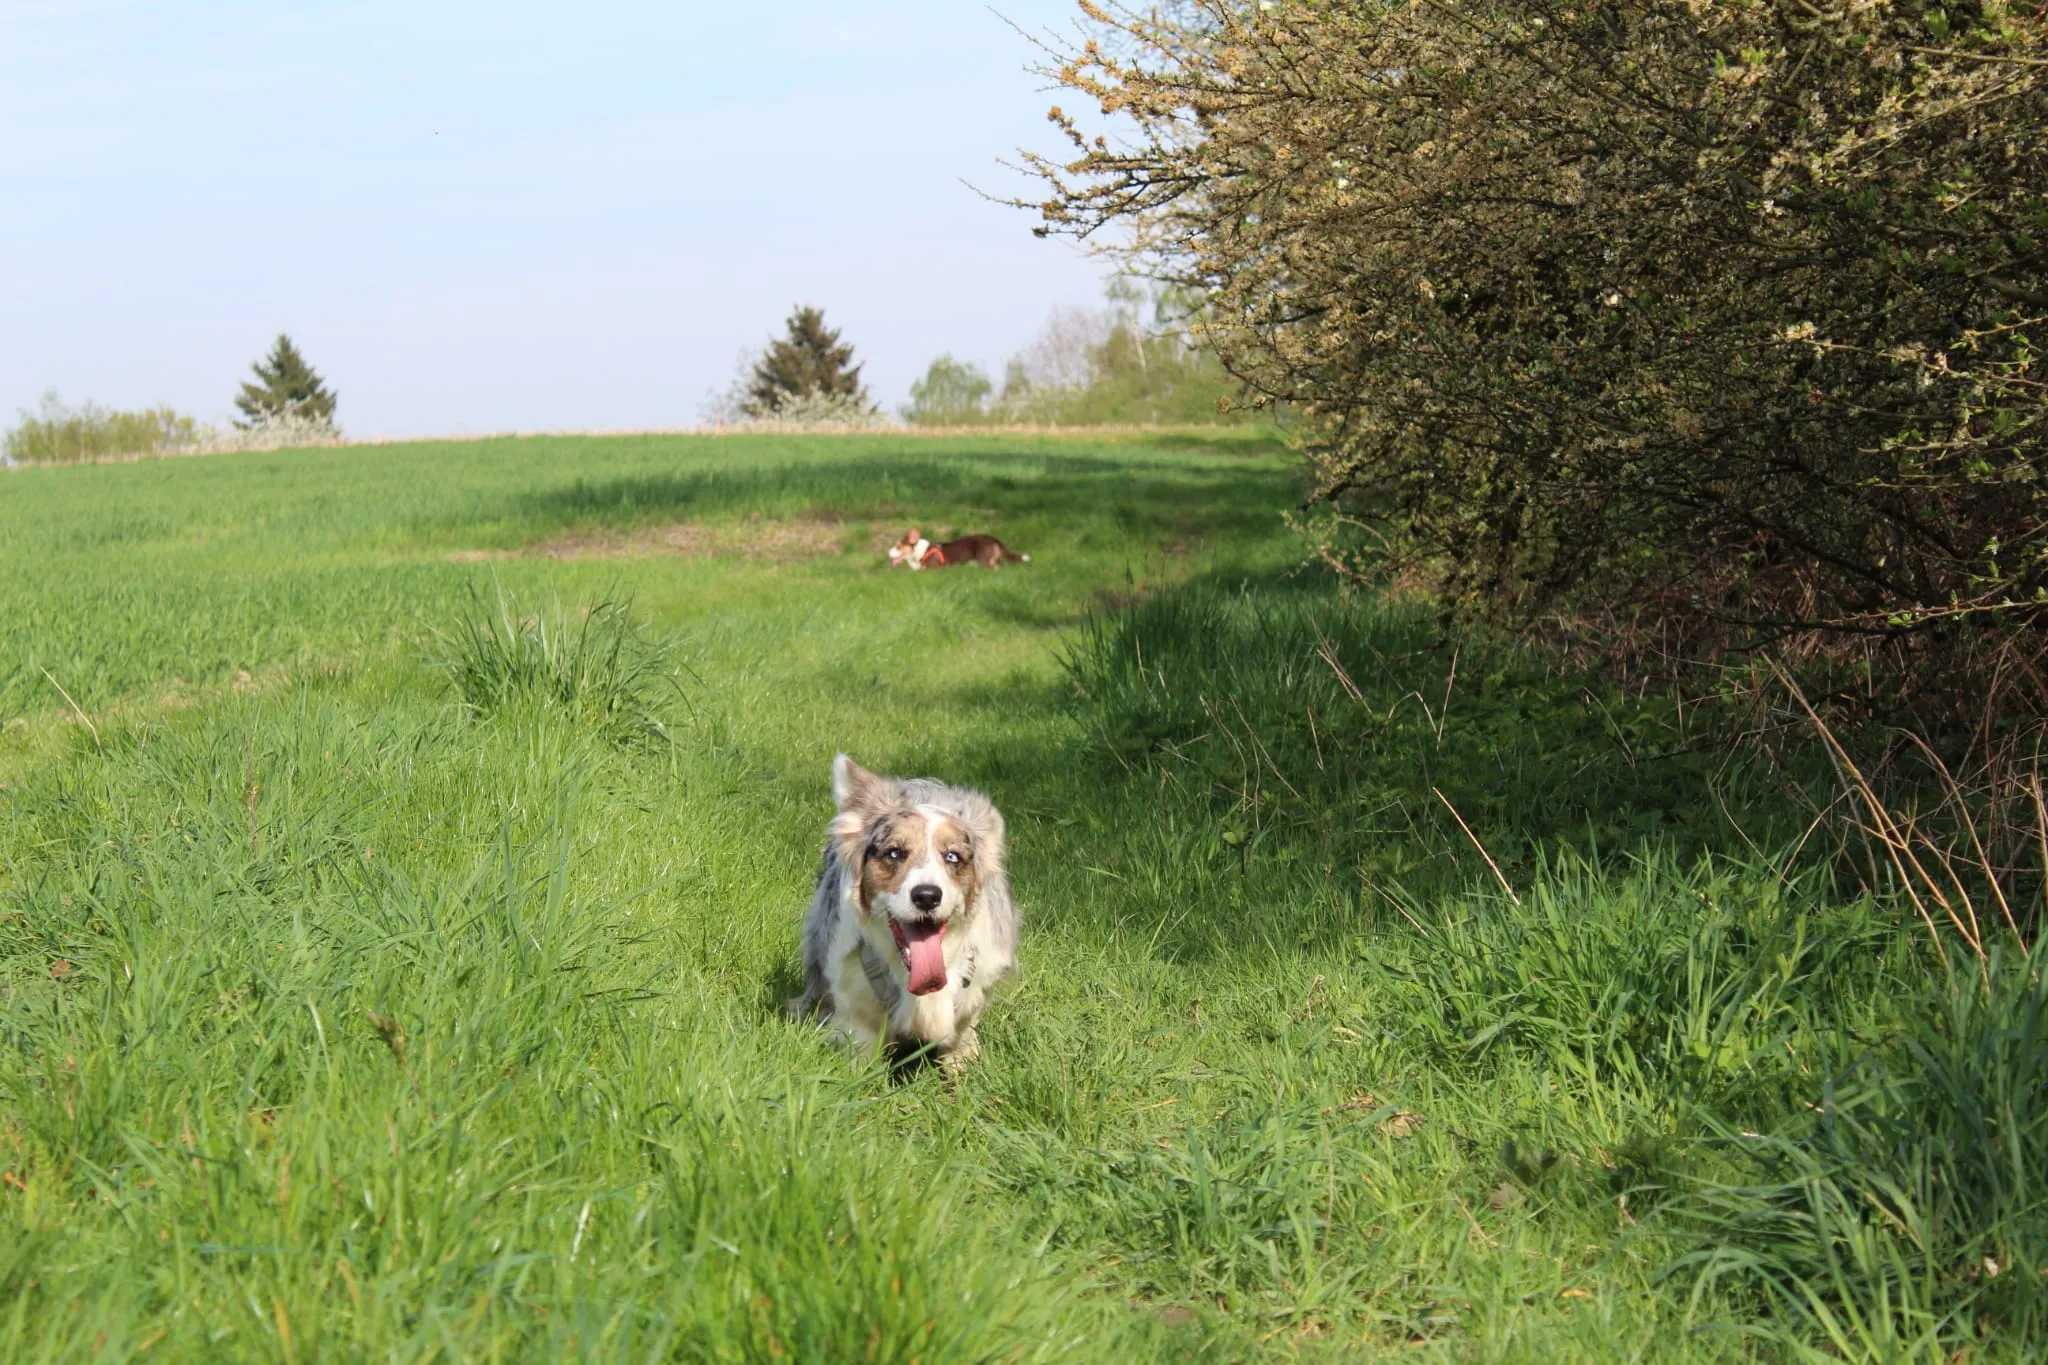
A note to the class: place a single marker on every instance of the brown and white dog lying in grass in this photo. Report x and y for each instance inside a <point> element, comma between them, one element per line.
<point>920,553</point>
<point>912,922</point>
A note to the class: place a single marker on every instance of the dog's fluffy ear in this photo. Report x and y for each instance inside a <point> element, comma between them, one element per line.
<point>855,790</point>
<point>860,796</point>
<point>983,824</point>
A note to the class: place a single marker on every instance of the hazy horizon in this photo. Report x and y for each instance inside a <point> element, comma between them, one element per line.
<point>489,218</point>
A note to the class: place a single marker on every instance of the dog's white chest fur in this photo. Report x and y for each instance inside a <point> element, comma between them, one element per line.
<point>859,946</point>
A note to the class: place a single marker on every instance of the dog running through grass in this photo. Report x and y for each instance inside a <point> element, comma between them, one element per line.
<point>912,923</point>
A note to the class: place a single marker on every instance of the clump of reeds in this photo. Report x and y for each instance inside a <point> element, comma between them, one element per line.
<point>596,665</point>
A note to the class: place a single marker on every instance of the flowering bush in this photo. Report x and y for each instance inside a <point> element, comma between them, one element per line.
<point>276,428</point>
<point>1691,328</point>
<point>819,412</point>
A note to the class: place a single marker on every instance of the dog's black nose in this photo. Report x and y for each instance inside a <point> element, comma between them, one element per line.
<point>926,897</point>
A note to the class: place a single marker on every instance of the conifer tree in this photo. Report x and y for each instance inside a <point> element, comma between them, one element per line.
<point>810,362</point>
<point>287,385</point>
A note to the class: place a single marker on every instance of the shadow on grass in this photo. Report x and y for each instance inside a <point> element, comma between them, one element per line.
<point>1138,497</point>
<point>1270,762</point>
<point>1250,441</point>
<point>784,983</point>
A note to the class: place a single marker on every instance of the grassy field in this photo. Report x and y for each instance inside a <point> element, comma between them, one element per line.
<point>382,978</point>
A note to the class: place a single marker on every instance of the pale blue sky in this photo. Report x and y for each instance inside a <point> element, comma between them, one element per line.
<point>508,215</point>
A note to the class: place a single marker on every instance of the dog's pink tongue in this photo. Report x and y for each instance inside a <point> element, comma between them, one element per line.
<point>924,953</point>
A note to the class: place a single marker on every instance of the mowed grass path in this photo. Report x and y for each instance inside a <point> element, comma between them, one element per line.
<point>338,1023</point>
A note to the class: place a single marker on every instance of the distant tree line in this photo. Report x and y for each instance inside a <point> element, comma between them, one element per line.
<point>60,434</point>
<point>1136,361</point>
<point>1108,366</point>
<point>287,403</point>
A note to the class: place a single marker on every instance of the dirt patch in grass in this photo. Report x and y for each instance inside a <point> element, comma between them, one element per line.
<point>810,534</point>
<point>780,539</point>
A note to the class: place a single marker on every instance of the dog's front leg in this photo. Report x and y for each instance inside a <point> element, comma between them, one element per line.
<point>966,1049</point>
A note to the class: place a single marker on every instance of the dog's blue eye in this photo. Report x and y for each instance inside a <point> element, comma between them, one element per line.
<point>894,855</point>
<point>952,857</point>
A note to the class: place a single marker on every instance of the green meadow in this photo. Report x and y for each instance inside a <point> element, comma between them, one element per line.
<point>402,851</point>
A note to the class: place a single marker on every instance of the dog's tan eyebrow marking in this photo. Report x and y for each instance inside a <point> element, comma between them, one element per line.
<point>882,840</point>
<point>903,830</point>
<point>952,837</point>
